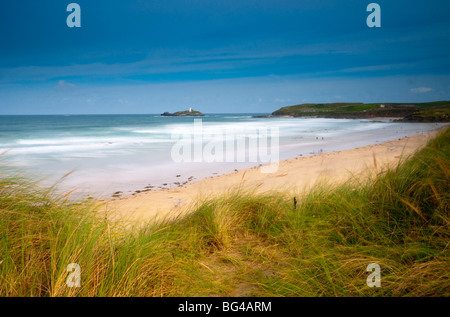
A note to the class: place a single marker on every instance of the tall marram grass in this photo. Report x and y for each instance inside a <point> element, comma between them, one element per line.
<point>242,244</point>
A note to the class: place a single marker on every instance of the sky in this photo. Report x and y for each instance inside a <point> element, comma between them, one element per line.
<point>227,56</point>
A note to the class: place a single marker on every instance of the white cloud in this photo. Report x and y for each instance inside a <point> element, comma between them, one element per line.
<point>374,68</point>
<point>421,90</point>
<point>64,86</point>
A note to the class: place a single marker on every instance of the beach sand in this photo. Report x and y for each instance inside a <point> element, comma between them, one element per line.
<point>293,176</point>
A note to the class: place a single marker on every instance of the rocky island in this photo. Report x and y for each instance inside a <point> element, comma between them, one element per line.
<point>186,113</point>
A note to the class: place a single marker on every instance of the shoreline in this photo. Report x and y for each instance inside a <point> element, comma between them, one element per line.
<point>293,176</point>
<point>133,154</point>
<point>174,176</point>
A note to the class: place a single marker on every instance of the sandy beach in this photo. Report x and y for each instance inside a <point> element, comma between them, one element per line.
<point>293,175</point>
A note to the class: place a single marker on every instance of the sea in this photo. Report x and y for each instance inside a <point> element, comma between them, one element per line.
<point>104,155</point>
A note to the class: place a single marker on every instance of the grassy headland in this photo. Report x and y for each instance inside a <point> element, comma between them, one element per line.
<point>438,111</point>
<point>242,244</point>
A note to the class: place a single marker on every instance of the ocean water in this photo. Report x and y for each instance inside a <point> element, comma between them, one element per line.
<point>109,153</point>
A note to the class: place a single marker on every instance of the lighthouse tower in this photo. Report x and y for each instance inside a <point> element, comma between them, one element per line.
<point>190,109</point>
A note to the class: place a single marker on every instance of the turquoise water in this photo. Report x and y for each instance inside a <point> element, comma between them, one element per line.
<point>109,153</point>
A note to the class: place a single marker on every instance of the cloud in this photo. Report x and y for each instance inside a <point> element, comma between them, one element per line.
<point>235,58</point>
<point>374,68</point>
<point>421,90</point>
<point>63,85</point>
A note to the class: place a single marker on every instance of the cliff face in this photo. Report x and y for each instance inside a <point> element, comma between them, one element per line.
<point>186,113</point>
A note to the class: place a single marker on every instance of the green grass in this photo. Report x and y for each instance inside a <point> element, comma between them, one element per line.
<point>242,244</point>
<point>437,111</point>
<point>436,114</point>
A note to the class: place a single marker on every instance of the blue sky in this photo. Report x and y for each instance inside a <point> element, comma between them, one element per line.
<point>219,56</point>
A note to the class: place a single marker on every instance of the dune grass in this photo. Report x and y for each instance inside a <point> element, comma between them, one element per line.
<point>241,244</point>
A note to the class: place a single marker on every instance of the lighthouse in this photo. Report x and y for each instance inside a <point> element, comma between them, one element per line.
<point>190,109</point>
